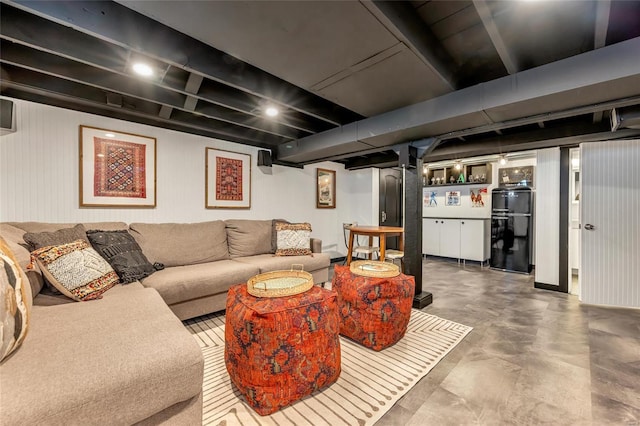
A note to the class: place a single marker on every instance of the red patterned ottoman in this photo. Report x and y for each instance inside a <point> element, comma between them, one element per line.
<point>374,312</point>
<point>278,350</point>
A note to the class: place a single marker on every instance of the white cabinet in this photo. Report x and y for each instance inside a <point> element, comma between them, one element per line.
<point>450,238</point>
<point>441,237</point>
<point>431,237</point>
<point>475,239</point>
<point>467,239</point>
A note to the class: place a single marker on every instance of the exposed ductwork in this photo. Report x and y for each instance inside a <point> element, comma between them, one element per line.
<point>609,76</point>
<point>625,118</point>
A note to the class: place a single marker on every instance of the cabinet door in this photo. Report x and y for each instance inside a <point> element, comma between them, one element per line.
<point>472,234</point>
<point>431,236</point>
<point>450,238</point>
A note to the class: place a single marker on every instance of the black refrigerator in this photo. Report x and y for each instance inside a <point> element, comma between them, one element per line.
<point>511,229</point>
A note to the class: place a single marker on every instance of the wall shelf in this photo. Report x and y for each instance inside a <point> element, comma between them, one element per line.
<point>473,174</point>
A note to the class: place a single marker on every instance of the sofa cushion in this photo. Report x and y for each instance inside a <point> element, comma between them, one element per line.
<point>294,239</point>
<point>123,253</point>
<point>269,262</point>
<point>76,270</point>
<point>182,283</point>
<point>14,238</point>
<point>15,302</point>
<point>38,240</point>
<point>178,244</point>
<point>248,237</point>
<point>133,360</point>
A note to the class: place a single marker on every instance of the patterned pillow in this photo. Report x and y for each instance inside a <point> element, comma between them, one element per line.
<point>76,269</point>
<point>294,239</point>
<point>15,302</point>
<point>123,253</point>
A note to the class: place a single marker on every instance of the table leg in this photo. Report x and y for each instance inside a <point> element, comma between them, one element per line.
<point>383,244</point>
<point>370,245</point>
<point>350,248</point>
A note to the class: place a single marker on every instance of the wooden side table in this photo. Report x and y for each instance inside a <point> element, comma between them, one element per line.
<point>382,232</point>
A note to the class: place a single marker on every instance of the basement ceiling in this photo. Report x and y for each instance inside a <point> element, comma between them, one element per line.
<point>353,79</point>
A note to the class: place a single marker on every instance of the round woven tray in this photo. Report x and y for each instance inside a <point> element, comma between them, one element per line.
<point>374,268</point>
<point>280,283</point>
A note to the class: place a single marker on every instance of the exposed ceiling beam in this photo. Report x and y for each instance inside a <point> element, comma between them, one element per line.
<point>133,31</point>
<point>401,19</point>
<point>61,101</point>
<point>603,9</point>
<point>38,33</point>
<point>492,29</point>
<point>582,84</point>
<point>56,66</point>
<point>543,138</point>
<point>69,91</point>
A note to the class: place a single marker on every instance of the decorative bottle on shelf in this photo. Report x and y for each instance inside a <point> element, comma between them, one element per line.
<point>433,180</point>
<point>452,179</point>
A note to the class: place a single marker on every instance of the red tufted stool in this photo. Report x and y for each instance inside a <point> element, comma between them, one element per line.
<point>278,350</point>
<point>374,312</point>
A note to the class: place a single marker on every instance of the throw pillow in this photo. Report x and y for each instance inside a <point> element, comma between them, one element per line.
<point>76,269</point>
<point>61,236</point>
<point>274,233</point>
<point>123,253</point>
<point>294,239</point>
<point>15,302</point>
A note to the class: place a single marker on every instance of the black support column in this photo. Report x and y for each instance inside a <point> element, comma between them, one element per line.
<point>413,227</point>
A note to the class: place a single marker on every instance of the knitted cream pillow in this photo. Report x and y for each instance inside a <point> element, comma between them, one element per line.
<point>293,239</point>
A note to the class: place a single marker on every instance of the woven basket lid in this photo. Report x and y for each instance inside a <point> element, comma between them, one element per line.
<point>374,268</point>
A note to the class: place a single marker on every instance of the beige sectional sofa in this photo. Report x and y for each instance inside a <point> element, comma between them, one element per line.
<point>127,358</point>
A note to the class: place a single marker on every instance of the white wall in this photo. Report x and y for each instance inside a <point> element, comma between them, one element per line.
<point>39,168</point>
<point>547,213</point>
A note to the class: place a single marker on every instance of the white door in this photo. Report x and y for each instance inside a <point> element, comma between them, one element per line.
<point>431,236</point>
<point>450,238</point>
<point>472,241</point>
<point>610,224</point>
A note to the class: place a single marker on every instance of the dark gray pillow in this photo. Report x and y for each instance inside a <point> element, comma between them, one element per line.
<point>55,238</point>
<point>123,253</point>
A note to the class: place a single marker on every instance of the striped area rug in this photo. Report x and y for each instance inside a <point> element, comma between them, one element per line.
<point>370,382</point>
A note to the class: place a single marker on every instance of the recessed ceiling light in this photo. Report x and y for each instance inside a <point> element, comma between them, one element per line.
<point>142,69</point>
<point>271,111</point>
<point>110,135</point>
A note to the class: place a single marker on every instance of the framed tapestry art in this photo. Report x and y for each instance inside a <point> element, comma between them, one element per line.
<point>325,189</point>
<point>117,169</point>
<point>228,180</point>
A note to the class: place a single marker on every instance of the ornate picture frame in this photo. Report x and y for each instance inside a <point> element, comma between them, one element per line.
<point>228,179</point>
<point>325,189</point>
<point>117,169</point>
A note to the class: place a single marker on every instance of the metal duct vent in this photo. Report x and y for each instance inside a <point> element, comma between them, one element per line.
<point>625,118</point>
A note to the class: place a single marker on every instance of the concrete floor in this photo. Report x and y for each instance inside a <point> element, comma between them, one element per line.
<point>534,356</point>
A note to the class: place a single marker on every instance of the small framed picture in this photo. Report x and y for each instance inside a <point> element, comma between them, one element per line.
<point>228,180</point>
<point>325,189</point>
<point>117,169</point>
<point>452,198</point>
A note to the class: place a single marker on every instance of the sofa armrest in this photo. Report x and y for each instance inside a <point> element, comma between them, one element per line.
<point>316,245</point>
